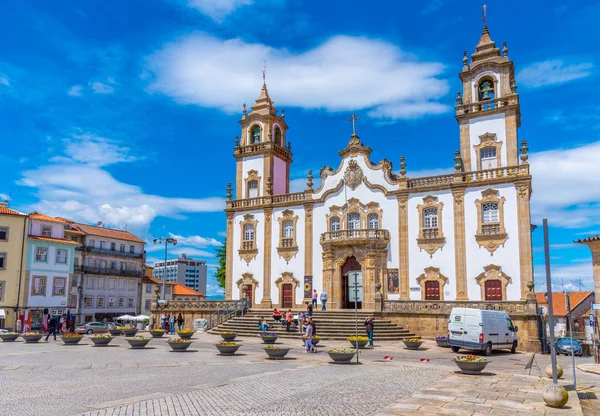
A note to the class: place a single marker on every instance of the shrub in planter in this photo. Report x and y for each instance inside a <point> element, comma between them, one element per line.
<point>413,343</point>
<point>186,333</point>
<point>32,337</point>
<point>157,333</point>
<point>228,335</point>
<point>470,364</point>
<point>9,336</point>
<point>227,347</point>
<point>268,337</point>
<point>442,342</point>
<point>276,353</point>
<point>71,339</point>
<point>342,355</point>
<point>115,331</point>
<point>179,344</point>
<point>101,340</point>
<point>138,342</point>
<point>362,341</point>
<point>130,331</point>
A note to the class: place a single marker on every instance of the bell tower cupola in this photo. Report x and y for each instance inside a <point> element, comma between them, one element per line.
<point>488,111</point>
<point>263,154</point>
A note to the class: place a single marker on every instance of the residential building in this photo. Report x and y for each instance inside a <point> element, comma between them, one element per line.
<point>189,272</point>
<point>13,228</point>
<point>49,268</point>
<point>174,291</point>
<point>580,302</point>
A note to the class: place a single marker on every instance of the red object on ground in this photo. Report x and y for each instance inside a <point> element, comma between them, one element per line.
<point>425,360</point>
<point>388,358</point>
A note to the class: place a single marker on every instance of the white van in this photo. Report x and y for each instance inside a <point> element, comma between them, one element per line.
<point>477,329</point>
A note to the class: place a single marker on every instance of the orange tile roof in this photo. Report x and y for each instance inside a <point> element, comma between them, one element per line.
<point>559,301</point>
<point>108,233</point>
<point>42,217</point>
<point>74,231</point>
<point>588,240</point>
<point>7,211</point>
<point>54,240</point>
<point>180,289</point>
<point>152,280</point>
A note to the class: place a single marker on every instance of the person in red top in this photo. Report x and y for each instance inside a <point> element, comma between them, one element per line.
<point>288,320</point>
<point>277,315</point>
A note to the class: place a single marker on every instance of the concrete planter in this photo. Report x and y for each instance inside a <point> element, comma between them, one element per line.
<point>185,335</point>
<point>228,337</point>
<point>138,344</point>
<point>157,334</point>
<point>341,358</point>
<point>130,332</point>
<point>412,345</point>
<point>468,367</point>
<point>71,340</point>
<point>269,339</point>
<point>442,343</point>
<point>276,353</point>
<point>31,339</point>
<point>227,350</point>
<point>361,343</point>
<point>114,332</point>
<point>180,346</point>
<point>9,337</point>
<point>101,342</point>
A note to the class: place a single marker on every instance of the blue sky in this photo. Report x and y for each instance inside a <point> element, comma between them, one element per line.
<point>126,111</point>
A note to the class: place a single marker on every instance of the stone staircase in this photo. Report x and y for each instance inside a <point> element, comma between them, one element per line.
<point>336,324</point>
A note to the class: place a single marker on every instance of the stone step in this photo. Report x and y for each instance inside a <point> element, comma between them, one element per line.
<point>297,336</point>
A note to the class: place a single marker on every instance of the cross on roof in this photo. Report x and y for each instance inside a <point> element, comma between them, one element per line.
<point>353,119</point>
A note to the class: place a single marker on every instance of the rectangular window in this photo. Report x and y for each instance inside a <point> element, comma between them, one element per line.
<point>121,302</point>
<point>113,246</point>
<point>2,261</point>
<point>131,285</point>
<point>100,302</point>
<point>147,304</point>
<point>101,283</point>
<point>122,248</point>
<point>123,266</point>
<point>41,254</point>
<point>39,286</point>
<point>168,290</point>
<point>3,233</point>
<point>112,284</point>
<point>132,249</point>
<point>89,302</point>
<point>148,289</point>
<point>111,302</point>
<point>74,239</point>
<point>61,256</point>
<point>113,265</point>
<point>2,291</point>
<point>91,283</point>
<point>46,231</point>
<point>76,261</point>
<point>130,302</point>
<point>91,243</point>
<point>252,189</point>
<point>58,289</point>
<point>121,284</point>
<point>102,245</point>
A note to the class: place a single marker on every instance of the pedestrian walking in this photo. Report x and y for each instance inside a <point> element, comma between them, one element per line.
<point>288,320</point>
<point>309,309</point>
<point>314,297</point>
<point>162,321</point>
<point>369,326</point>
<point>323,300</point>
<point>172,323</point>
<point>52,327</point>
<point>179,321</point>
<point>308,335</point>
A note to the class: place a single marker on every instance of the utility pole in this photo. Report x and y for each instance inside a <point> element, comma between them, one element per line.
<point>549,296</point>
<point>570,318</point>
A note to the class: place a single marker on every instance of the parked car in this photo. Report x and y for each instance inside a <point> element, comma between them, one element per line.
<point>111,325</point>
<point>92,328</point>
<point>563,346</point>
<point>483,330</point>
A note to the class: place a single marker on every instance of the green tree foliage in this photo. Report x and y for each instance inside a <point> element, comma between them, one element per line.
<point>222,256</point>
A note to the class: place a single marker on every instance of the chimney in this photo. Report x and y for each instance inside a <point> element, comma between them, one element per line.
<point>100,224</point>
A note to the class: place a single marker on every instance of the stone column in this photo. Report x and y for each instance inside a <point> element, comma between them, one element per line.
<point>369,269</point>
<point>308,247</point>
<point>460,247</point>
<point>229,257</point>
<point>524,226</point>
<point>328,278</point>
<point>266,299</point>
<point>594,244</point>
<point>403,246</point>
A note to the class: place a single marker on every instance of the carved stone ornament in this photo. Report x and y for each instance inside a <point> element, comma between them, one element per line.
<point>353,175</point>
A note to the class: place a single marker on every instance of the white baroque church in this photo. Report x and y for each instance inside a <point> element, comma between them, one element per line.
<point>463,236</point>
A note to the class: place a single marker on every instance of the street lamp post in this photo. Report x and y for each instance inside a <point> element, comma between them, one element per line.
<point>167,241</point>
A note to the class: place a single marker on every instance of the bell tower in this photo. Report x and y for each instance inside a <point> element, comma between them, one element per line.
<point>263,154</point>
<point>488,112</point>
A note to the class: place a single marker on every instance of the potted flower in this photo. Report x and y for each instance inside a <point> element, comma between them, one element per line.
<point>130,331</point>
<point>101,340</point>
<point>9,336</point>
<point>116,331</point>
<point>138,342</point>
<point>186,333</point>
<point>32,337</point>
<point>342,355</point>
<point>470,364</point>
<point>412,343</point>
<point>315,340</point>
<point>276,353</point>
<point>228,335</point>
<point>442,342</point>
<point>157,332</point>
<point>268,337</point>
<point>227,347</point>
<point>179,344</point>
<point>71,339</point>
<point>362,341</point>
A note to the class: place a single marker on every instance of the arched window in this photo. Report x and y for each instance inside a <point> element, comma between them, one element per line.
<point>373,221</point>
<point>430,218</point>
<point>486,90</point>
<point>490,213</point>
<point>252,189</point>
<point>488,158</point>
<point>278,136</point>
<point>249,232</point>
<point>288,229</point>
<point>334,224</point>
<point>256,134</point>
<point>354,221</point>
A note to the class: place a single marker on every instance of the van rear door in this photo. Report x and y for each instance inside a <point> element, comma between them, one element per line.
<point>456,327</point>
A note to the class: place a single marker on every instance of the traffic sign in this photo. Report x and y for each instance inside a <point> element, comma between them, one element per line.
<point>595,306</point>
<point>355,287</point>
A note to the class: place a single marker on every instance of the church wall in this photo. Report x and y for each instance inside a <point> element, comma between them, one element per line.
<point>239,265</point>
<point>506,257</point>
<point>489,124</point>
<point>444,258</point>
<point>279,176</point>
<point>253,163</point>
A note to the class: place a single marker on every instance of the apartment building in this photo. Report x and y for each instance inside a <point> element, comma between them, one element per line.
<point>187,271</point>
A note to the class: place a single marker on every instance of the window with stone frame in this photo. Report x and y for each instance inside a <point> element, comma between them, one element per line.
<point>252,189</point>
<point>287,247</point>
<point>488,158</point>
<point>248,249</point>
<point>3,233</point>
<point>61,256</point>
<point>101,283</point>
<point>130,302</point>
<point>122,284</point>
<point>121,302</point>
<point>41,254</point>
<point>373,221</point>
<point>131,285</point>
<point>58,286</point>
<point>354,221</point>
<point>88,301</point>
<point>431,235</point>
<point>249,235</point>
<point>278,138</point>
<point>100,302</point>
<point>334,224</point>
<point>491,232</point>
<point>252,184</point>
<point>39,286</point>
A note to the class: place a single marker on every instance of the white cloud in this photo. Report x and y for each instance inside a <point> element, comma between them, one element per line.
<point>553,72</point>
<point>433,6</point>
<point>218,9</point>
<point>298,185</point>
<point>4,81</point>
<point>196,241</point>
<point>101,88</point>
<point>342,74</point>
<point>75,91</point>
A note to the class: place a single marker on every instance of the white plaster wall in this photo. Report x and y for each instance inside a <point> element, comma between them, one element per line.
<point>48,300</point>
<point>253,163</point>
<point>444,258</point>
<point>255,267</point>
<point>506,257</point>
<point>58,230</point>
<point>279,176</point>
<point>489,124</point>
<point>296,263</point>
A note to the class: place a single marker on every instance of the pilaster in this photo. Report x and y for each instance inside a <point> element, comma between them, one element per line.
<point>403,245</point>
<point>460,246</point>
<point>524,226</point>
<point>229,257</point>
<point>266,299</point>
<point>308,244</point>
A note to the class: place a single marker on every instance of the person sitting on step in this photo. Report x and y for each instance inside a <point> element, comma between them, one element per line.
<point>277,315</point>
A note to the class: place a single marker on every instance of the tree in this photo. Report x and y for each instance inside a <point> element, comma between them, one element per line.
<point>222,256</point>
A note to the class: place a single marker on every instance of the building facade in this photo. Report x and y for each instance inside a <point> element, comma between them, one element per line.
<point>174,291</point>
<point>462,236</point>
<point>13,228</point>
<point>187,271</point>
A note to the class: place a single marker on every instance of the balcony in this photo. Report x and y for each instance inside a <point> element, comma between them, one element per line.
<point>356,237</point>
<point>110,252</point>
<point>108,271</point>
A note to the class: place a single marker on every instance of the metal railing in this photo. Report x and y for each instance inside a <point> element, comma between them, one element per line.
<point>109,271</point>
<point>111,252</point>
<point>238,308</point>
<point>374,234</point>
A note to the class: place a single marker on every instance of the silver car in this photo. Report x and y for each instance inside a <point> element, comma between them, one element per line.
<point>92,328</point>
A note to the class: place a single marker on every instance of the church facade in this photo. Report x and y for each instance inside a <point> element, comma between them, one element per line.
<point>463,236</point>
